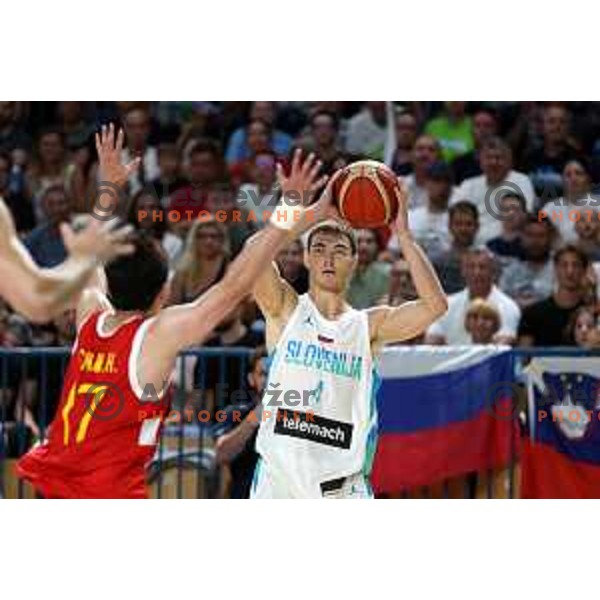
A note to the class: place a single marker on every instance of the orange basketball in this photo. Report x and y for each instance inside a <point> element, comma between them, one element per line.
<point>367,193</point>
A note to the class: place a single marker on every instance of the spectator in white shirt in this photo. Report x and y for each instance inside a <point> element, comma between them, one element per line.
<point>576,203</point>
<point>367,131</point>
<point>497,179</point>
<point>429,224</point>
<point>479,273</point>
<point>427,152</point>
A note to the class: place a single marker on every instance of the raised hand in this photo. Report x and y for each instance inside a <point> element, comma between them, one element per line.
<point>109,157</point>
<point>303,181</point>
<point>98,241</point>
<point>400,225</point>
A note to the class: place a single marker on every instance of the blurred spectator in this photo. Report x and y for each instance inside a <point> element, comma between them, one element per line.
<point>426,153</point>
<point>261,196</point>
<point>429,224</point>
<point>45,242</point>
<point>367,131</point>
<point>18,427</point>
<point>203,263</point>
<point>406,137</point>
<point>531,279</point>
<point>485,125</point>
<point>401,289</point>
<point>206,175</point>
<point>463,221</point>
<point>498,177</point>
<point>290,261</point>
<point>239,223</point>
<point>577,201</point>
<point>147,215</point>
<point>12,137</point>
<point>260,141</point>
<point>544,323</point>
<point>324,127</point>
<point>545,161</point>
<point>453,130</point>
<point>588,231</point>
<point>370,280</point>
<point>236,437</point>
<point>220,377</point>
<point>13,192</point>
<point>238,148</point>
<point>170,178</point>
<point>509,243</point>
<point>479,272</point>
<point>76,131</point>
<point>137,132</point>
<point>49,168</point>
<point>482,321</point>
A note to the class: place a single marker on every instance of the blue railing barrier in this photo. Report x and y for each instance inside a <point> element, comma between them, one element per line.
<point>184,465</point>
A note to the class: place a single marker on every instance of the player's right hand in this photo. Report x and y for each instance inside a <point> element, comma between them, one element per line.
<point>98,241</point>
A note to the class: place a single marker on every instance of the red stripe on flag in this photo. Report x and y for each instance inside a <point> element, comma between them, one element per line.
<point>429,456</point>
<point>548,473</point>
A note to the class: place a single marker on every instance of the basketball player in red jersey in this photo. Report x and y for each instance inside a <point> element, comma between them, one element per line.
<point>126,347</point>
<point>42,294</point>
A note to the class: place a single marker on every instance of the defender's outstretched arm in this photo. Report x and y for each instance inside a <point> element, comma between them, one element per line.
<point>181,326</point>
<point>387,324</point>
<point>41,294</point>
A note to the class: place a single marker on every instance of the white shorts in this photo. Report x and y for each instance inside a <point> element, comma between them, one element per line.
<point>266,487</point>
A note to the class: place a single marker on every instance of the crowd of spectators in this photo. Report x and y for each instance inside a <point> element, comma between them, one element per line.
<point>478,175</point>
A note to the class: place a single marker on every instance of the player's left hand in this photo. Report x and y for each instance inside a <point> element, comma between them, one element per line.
<point>400,225</point>
<point>326,207</point>
<point>109,155</point>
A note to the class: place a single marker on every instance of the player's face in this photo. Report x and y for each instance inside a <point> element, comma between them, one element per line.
<point>330,262</point>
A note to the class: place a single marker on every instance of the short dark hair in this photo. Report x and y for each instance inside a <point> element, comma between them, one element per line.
<point>206,147</point>
<point>325,113</point>
<point>463,206</point>
<point>572,249</point>
<point>495,143</point>
<point>333,228</point>
<point>516,196</point>
<point>533,219</point>
<point>135,281</point>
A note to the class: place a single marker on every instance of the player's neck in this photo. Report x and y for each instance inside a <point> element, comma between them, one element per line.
<point>331,305</point>
<point>119,317</point>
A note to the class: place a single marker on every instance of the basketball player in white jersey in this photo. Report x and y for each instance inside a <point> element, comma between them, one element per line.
<point>317,436</point>
<point>42,294</point>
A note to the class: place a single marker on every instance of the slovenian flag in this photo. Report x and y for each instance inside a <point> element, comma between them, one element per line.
<point>443,412</point>
<point>561,455</point>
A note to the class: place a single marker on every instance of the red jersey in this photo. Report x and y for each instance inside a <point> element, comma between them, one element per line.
<point>106,426</point>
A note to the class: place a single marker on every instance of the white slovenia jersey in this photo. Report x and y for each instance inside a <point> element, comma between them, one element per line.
<point>319,412</point>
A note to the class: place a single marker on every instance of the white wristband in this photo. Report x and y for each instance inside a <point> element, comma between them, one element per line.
<point>285,216</point>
